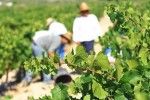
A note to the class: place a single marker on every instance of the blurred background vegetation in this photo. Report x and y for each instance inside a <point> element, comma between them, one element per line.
<point>62,10</point>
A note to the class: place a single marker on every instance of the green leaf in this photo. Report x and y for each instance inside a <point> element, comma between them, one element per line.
<point>137,87</point>
<point>132,64</point>
<point>131,77</point>
<point>147,74</point>
<point>133,41</point>
<point>102,61</point>
<point>98,91</point>
<point>126,88</point>
<point>120,97</point>
<point>143,54</point>
<point>130,10</point>
<point>86,78</point>
<point>126,53</point>
<point>70,58</point>
<point>56,58</point>
<point>142,96</point>
<point>119,40</point>
<point>44,98</point>
<point>145,85</point>
<point>72,88</point>
<point>90,60</point>
<point>87,97</point>
<point>60,92</point>
<point>80,51</point>
<point>119,70</point>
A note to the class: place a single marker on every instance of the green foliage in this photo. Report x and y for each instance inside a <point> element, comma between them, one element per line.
<point>119,70</point>
<point>132,64</point>
<point>98,91</point>
<point>128,78</point>
<point>130,45</point>
<point>80,60</point>
<point>120,97</point>
<point>14,49</point>
<point>60,93</point>
<point>101,60</point>
<point>87,97</point>
<point>45,64</point>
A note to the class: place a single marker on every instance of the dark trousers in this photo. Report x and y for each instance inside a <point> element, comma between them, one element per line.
<point>88,45</point>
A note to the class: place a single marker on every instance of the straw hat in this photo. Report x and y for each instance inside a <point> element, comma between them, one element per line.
<point>84,6</point>
<point>68,36</point>
<point>49,21</point>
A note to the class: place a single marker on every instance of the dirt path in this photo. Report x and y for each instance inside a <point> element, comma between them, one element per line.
<point>40,89</point>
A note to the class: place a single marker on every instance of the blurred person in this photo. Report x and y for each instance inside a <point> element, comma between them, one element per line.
<point>57,29</point>
<point>86,28</point>
<point>45,42</point>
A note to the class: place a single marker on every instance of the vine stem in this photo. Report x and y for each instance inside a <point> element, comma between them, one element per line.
<point>7,74</point>
<point>87,68</point>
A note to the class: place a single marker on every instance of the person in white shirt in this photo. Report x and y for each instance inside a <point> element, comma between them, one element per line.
<point>57,29</point>
<point>45,42</point>
<point>86,28</point>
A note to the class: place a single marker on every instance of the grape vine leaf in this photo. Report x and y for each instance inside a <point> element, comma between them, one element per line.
<point>132,64</point>
<point>80,51</point>
<point>147,74</point>
<point>143,54</point>
<point>87,97</point>
<point>141,96</point>
<point>72,88</point>
<point>120,97</point>
<point>131,77</point>
<point>119,70</point>
<point>98,91</point>
<point>70,58</point>
<point>90,60</point>
<point>42,98</point>
<point>60,92</point>
<point>133,41</point>
<point>101,60</point>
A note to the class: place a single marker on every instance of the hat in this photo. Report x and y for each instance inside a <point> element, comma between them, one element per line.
<point>49,21</point>
<point>68,36</point>
<point>84,6</point>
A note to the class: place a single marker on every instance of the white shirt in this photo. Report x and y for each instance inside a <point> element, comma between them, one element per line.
<point>39,34</point>
<point>86,28</point>
<point>48,41</point>
<point>57,28</point>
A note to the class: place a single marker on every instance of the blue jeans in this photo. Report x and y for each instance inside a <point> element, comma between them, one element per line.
<point>88,45</point>
<point>37,51</point>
